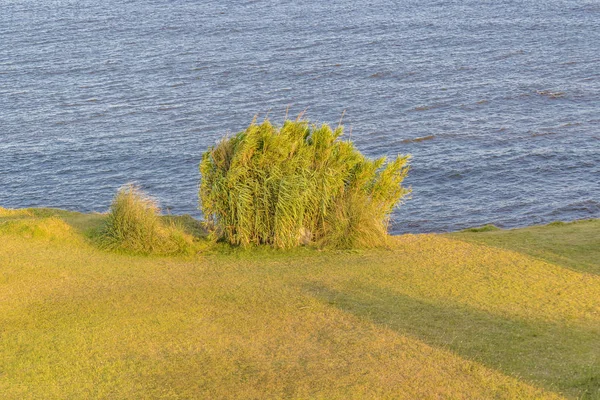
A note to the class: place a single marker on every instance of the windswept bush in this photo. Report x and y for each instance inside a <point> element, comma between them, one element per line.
<point>134,225</point>
<point>298,184</point>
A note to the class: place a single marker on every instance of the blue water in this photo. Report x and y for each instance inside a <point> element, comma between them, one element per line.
<point>95,94</point>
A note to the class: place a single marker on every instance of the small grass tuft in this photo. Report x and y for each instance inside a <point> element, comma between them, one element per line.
<point>557,223</point>
<point>485,228</point>
<point>134,225</point>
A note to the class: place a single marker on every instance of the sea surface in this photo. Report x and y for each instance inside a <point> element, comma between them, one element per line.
<point>497,101</point>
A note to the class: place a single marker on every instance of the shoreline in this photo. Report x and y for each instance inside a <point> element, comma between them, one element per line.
<point>55,211</point>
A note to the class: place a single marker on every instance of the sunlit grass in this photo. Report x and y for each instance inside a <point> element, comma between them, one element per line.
<point>432,318</point>
<point>51,228</point>
<point>9,212</point>
<point>573,244</point>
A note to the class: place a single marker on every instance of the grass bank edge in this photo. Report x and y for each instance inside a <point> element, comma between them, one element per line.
<point>582,235</point>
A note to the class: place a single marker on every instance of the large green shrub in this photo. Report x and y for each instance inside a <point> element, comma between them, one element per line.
<point>134,225</point>
<point>298,184</point>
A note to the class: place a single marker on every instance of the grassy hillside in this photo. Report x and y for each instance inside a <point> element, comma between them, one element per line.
<point>466,315</point>
<point>574,245</point>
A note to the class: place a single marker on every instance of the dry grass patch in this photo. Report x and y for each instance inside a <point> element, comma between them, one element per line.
<point>9,212</point>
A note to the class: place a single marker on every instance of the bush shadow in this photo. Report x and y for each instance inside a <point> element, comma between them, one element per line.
<point>557,357</point>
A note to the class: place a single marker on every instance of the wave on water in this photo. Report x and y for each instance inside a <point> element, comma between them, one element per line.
<point>419,139</point>
<point>422,108</point>
<point>537,134</point>
<point>550,94</point>
<point>591,207</point>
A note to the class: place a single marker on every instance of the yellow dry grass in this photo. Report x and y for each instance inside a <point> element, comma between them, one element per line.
<point>10,212</point>
<point>504,282</point>
<point>77,322</point>
<point>50,228</point>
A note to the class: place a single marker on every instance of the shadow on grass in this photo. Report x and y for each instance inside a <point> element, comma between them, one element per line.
<point>559,358</point>
<point>188,224</point>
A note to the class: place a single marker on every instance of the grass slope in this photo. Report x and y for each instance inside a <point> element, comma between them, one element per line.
<point>435,317</point>
<point>574,244</point>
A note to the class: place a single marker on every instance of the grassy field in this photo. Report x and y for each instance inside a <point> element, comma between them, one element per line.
<point>573,245</point>
<point>471,315</point>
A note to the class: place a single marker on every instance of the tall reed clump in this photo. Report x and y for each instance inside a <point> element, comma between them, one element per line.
<point>133,225</point>
<point>298,184</point>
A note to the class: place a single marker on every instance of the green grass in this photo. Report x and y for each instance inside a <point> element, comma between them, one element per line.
<point>434,317</point>
<point>573,245</point>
